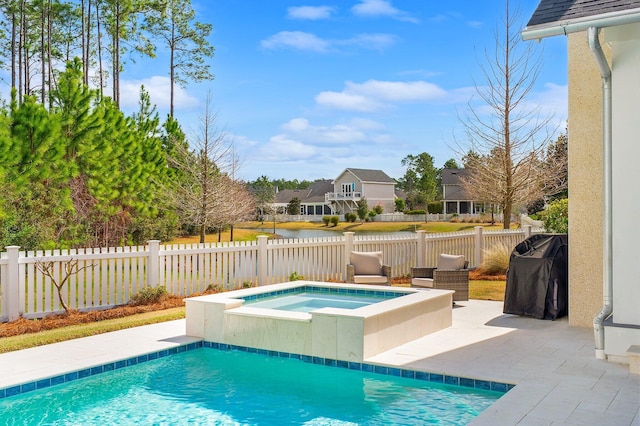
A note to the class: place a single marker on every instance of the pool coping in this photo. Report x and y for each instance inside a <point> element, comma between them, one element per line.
<point>465,382</point>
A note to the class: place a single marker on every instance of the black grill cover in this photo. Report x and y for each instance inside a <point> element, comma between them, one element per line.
<point>537,278</point>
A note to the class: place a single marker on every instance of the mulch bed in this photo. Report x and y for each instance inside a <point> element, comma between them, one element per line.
<point>24,326</point>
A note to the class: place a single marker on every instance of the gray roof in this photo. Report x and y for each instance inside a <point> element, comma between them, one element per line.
<point>556,17</point>
<point>452,176</point>
<point>452,179</point>
<point>367,175</point>
<point>314,194</point>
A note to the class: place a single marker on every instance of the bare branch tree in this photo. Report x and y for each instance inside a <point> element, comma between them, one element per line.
<point>203,190</point>
<point>69,268</point>
<point>507,136</point>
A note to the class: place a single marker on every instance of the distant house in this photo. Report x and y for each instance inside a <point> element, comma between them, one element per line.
<point>354,184</point>
<point>455,198</point>
<point>312,199</point>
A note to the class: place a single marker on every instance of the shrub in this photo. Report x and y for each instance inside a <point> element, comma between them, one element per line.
<point>326,220</point>
<point>350,217</point>
<point>399,202</point>
<point>556,216</point>
<point>335,220</point>
<point>371,215</point>
<point>378,209</point>
<point>295,277</point>
<point>495,261</point>
<point>435,207</point>
<point>415,212</point>
<point>148,295</point>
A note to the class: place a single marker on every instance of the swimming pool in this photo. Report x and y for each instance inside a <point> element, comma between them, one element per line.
<point>210,386</point>
<point>399,315</point>
<point>310,300</point>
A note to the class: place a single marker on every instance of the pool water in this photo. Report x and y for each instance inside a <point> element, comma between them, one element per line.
<point>216,387</point>
<point>310,301</point>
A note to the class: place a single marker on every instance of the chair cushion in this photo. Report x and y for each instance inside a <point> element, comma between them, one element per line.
<point>370,279</point>
<point>366,263</point>
<point>422,282</point>
<point>450,262</point>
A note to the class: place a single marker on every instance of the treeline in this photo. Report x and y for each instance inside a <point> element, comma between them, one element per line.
<point>80,173</point>
<point>37,39</point>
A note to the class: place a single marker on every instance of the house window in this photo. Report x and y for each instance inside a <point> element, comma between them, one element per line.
<point>464,207</point>
<point>452,207</point>
<point>347,189</point>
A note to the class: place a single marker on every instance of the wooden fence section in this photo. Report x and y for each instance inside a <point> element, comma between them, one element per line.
<point>106,277</point>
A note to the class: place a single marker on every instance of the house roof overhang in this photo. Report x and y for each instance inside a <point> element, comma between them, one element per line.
<point>567,26</point>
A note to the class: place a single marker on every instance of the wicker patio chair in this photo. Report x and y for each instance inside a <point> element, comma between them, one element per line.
<point>451,274</point>
<point>367,268</point>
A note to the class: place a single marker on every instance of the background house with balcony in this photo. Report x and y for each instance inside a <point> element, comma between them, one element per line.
<point>455,198</point>
<point>312,199</point>
<point>354,184</point>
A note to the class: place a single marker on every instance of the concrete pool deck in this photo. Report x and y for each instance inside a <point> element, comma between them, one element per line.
<point>558,379</point>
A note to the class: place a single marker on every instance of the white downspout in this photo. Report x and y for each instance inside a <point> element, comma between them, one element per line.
<point>607,291</point>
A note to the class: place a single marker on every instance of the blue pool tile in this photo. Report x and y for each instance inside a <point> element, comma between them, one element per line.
<point>498,387</point>
<point>437,378</point>
<point>97,370</point>
<point>109,367</point>
<point>153,356</point>
<point>421,375</point>
<point>452,380</point>
<point>182,349</point>
<point>252,350</point>
<point>121,364</point>
<point>143,358</point>
<point>223,346</point>
<point>355,366</point>
<point>163,353</point>
<point>307,358</point>
<point>3,393</point>
<point>261,351</point>
<point>84,373</point>
<point>318,360</point>
<point>13,390</point>
<point>28,387</point>
<point>469,383</point>
<point>408,374</point>
<point>57,380</point>
<point>509,387</point>
<point>273,353</point>
<point>330,362</point>
<point>483,384</point>
<point>41,384</point>
<point>173,351</point>
<point>394,372</point>
<point>343,364</point>
<point>381,369</point>
<point>132,361</point>
<point>368,368</point>
<point>71,376</point>
<point>284,354</point>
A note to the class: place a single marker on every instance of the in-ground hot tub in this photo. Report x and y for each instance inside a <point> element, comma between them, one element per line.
<point>347,322</point>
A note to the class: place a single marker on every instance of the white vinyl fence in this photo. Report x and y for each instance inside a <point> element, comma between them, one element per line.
<point>102,278</point>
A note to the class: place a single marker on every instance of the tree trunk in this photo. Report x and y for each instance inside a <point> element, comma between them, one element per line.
<point>203,228</point>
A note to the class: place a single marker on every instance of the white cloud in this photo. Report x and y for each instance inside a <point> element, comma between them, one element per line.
<point>159,89</point>
<point>475,24</point>
<point>377,8</point>
<point>310,12</point>
<point>282,148</point>
<point>374,95</point>
<point>295,40</point>
<point>299,40</point>
<point>370,41</point>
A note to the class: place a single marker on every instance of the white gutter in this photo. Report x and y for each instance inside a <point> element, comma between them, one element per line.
<point>607,291</point>
<point>613,19</point>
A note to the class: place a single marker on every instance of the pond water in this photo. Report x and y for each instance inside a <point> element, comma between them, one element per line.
<point>315,233</point>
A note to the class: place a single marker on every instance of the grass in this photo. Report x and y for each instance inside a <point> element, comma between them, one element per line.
<point>486,290</point>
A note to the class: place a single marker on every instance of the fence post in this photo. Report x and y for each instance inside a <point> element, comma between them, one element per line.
<point>527,231</point>
<point>262,259</point>
<point>422,245</point>
<point>479,246</point>
<point>153,264</point>
<point>348,248</point>
<point>12,288</point>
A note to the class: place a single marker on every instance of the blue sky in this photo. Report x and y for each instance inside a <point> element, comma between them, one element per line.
<point>305,89</point>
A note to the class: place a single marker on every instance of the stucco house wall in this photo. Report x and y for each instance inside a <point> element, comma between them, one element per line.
<point>585,183</point>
